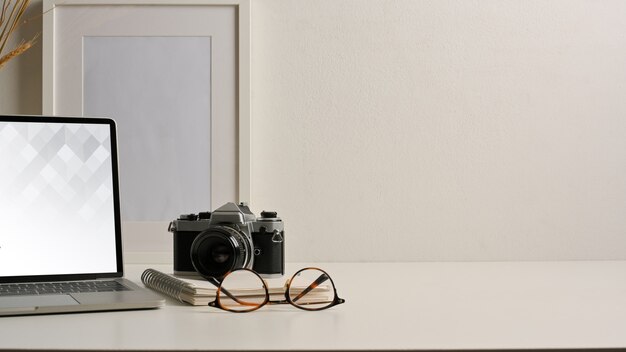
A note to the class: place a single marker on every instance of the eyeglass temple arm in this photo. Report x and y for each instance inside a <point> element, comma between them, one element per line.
<point>321,279</point>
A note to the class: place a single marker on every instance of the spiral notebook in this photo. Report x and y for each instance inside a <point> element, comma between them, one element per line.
<point>196,292</point>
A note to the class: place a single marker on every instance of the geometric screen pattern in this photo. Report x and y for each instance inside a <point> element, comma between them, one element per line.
<point>56,194</point>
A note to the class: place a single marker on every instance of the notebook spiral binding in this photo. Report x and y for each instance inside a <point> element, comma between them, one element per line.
<point>163,283</point>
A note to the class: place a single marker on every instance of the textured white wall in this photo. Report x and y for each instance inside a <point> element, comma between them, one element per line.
<point>433,130</point>
<point>442,130</point>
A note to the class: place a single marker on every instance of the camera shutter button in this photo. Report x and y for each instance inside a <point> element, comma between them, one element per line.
<point>268,214</point>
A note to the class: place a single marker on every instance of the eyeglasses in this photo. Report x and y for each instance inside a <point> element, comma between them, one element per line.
<point>243,290</point>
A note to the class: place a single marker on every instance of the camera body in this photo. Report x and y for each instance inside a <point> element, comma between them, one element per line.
<point>231,237</point>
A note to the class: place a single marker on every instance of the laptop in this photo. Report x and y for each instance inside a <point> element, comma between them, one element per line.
<point>60,241</point>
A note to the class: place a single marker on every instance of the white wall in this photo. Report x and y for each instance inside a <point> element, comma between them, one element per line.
<point>442,130</point>
<point>434,130</point>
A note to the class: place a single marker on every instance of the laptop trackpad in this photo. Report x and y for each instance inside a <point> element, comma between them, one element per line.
<point>36,301</point>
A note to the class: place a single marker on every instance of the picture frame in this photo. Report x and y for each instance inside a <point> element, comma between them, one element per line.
<point>76,35</point>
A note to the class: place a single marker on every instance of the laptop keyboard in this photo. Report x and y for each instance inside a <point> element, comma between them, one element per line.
<point>61,287</point>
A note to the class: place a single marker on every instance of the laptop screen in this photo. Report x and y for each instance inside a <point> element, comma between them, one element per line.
<point>58,197</point>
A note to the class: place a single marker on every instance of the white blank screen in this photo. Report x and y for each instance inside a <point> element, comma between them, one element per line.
<point>56,199</point>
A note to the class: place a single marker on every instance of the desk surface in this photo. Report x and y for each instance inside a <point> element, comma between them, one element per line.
<point>389,306</point>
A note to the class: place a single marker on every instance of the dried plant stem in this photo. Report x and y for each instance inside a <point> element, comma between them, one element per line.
<point>11,14</point>
<point>17,51</point>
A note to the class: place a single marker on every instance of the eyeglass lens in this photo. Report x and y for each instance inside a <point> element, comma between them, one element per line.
<point>244,291</point>
<point>311,289</point>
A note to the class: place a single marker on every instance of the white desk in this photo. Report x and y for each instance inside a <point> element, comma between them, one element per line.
<point>388,307</point>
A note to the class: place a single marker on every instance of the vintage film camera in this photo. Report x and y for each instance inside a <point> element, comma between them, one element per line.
<point>213,244</point>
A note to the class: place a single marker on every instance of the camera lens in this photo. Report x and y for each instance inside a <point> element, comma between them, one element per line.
<point>219,250</point>
<point>220,254</point>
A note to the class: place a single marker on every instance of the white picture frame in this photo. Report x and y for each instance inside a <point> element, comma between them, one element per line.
<point>63,84</point>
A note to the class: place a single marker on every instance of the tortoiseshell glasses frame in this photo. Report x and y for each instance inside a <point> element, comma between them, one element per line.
<point>298,298</point>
